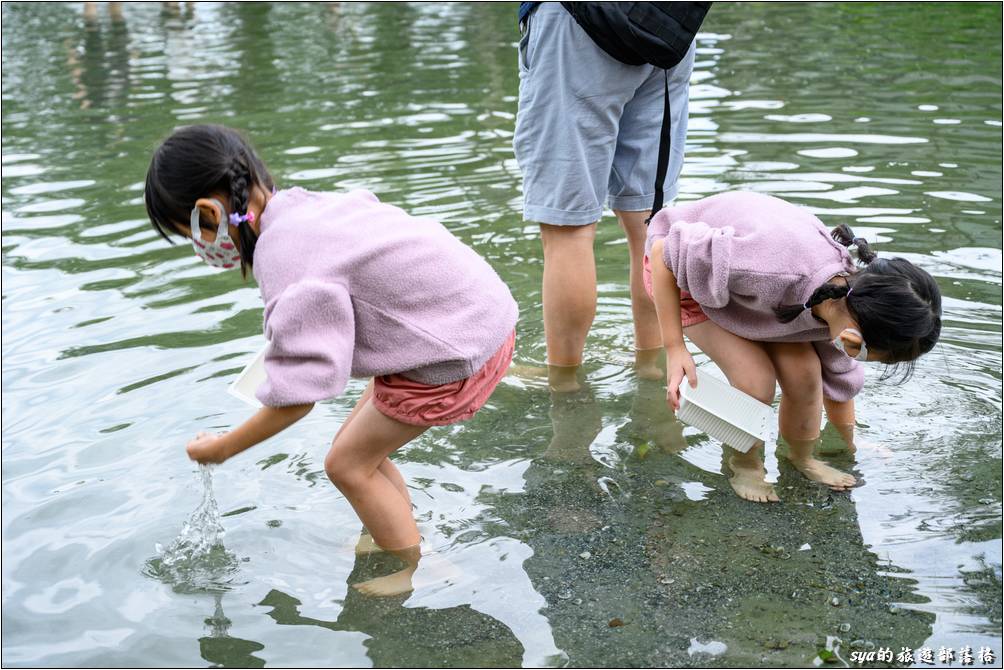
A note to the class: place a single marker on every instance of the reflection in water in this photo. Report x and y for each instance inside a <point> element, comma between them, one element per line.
<point>100,66</point>
<point>429,637</point>
<point>221,648</point>
<point>770,584</point>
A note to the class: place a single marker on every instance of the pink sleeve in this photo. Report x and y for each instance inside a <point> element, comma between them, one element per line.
<point>843,377</point>
<point>700,257</point>
<point>311,333</point>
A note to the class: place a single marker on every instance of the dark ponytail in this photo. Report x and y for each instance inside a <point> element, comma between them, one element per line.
<point>896,304</point>
<point>240,181</point>
<point>788,313</point>
<point>845,236</point>
<point>195,162</point>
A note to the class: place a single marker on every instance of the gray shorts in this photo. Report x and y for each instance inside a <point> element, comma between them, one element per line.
<point>587,127</point>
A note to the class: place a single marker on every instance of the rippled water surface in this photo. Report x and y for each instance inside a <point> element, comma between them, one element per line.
<point>586,530</point>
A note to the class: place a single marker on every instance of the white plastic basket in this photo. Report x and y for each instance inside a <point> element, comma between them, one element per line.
<point>250,378</point>
<point>724,412</point>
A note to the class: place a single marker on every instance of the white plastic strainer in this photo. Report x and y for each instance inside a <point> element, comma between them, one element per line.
<point>724,412</point>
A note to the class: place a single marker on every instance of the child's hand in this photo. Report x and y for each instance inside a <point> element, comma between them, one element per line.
<point>679,362</point>
<point>206,448</point>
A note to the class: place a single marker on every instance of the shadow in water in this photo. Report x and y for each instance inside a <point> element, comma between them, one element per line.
<point>223,650</point>
<point>637,572</point>
<point>414,636</point>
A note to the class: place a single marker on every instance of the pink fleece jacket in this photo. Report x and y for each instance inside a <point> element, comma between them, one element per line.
<point>354,287</point>
<point>741,254</point>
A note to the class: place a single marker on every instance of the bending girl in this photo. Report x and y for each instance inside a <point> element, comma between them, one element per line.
<point>759,286</point>
<point>352,287</point>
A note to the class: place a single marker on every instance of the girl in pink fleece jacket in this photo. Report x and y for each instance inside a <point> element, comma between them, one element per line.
<point>761,287</point>
<point>352,288</point>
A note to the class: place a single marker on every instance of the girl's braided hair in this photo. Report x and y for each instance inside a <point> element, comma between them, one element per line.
<point>896,304</point>
<point>195,162</point>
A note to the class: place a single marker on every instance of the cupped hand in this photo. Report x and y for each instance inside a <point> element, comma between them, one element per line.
<point>679,364</point>
<point>206,448</point>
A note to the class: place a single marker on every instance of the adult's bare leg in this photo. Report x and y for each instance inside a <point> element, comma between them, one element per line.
<point>569,296</point>
<point>647,336</point>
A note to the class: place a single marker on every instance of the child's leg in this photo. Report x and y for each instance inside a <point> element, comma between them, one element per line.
<point>749,369</point>
<point>356,465</point>
<point>841,416</point>
<point>800,375</point>
<point>387,468</point>
<point>365,543</point>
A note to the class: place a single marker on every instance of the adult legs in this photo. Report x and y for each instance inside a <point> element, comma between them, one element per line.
<point>749,369</point>
<point>571,98</point>
<point>631,186</point>
<point>569,296</point>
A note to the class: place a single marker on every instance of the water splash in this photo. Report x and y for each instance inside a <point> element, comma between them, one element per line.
<point>197,560</point>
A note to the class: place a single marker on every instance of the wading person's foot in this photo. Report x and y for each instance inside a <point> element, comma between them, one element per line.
<point>646,363</point>
<point>749,478</point>
<point>563,378</point>
<point>434,570</point>
<point>388,585</point>
<point>800,454</point>
<point>818,471</point>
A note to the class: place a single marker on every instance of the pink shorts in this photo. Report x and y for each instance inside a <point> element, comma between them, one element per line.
<point>418,404</point>
<point>690,312</point>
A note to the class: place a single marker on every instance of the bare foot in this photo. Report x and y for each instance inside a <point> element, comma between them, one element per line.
<point>431,570</point>
<point>800,454</point>
<point>652,372</point>
<point>527,372</point>
<point>818,471</point>
<point>366,545</point>
<point>388,585</point>
<point>852,443</point>
<point>563,378</point>
<point>749,480</point>
<point>847,433</point>
<point>646,364</point>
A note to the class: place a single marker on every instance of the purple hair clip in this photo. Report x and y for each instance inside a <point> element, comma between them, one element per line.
<point>237,219</point>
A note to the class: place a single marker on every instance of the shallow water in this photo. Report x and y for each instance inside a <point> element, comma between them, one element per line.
<point>556,519</point>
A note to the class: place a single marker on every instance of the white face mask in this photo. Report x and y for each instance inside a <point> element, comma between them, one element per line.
<point>221,252</point>
<point>862,355</point>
